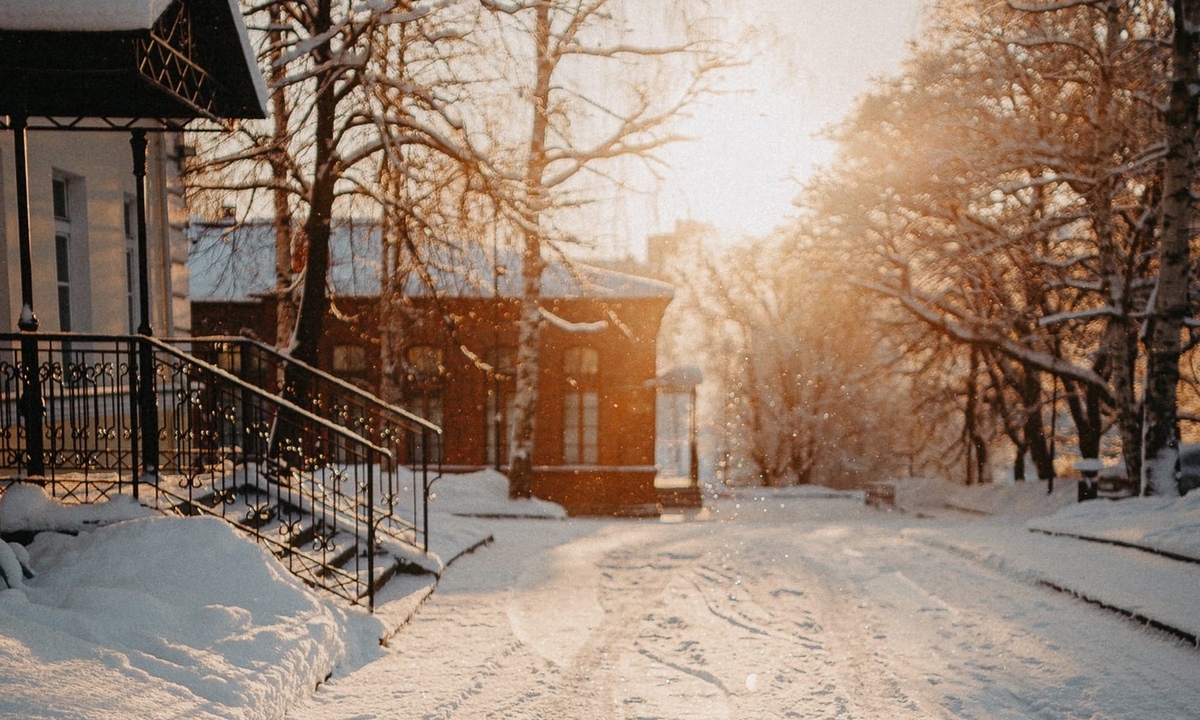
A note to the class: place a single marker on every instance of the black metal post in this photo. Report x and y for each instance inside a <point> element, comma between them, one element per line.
<point>31,404</point>
<point>371,530</point>
<point>425,483</point>
<point>148,393</point>
<point>693,457</point>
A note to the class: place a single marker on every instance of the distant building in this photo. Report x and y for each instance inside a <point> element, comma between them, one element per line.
<point>595,450</point>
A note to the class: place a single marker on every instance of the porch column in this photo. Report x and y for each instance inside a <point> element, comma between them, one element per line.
<point>31,403</point>
<point>147,392</point>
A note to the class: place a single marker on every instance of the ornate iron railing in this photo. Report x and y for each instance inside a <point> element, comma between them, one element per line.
<point>198,439</point>
<point>414,442</point>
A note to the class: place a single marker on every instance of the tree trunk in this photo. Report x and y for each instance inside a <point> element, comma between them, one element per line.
<point>1170,306</point>
<point>285,270</point>
<point>314,302</point>
<point>1019,464</point>
<point>1034,426</point>
<point>529,337</point>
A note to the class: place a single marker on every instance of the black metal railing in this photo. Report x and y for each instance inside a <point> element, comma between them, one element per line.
<point>414,442</point>
<point>135,415</point>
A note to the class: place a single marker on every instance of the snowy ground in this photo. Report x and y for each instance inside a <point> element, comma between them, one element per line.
<point>791,603</point>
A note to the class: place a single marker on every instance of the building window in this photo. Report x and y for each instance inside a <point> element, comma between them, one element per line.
<point>62,204</point>
<point>581,365</point>
<point>500,403</point>
<point>349,359</point>
<point>131,275</point>
<point>424,362</point>
<point>62,251</point>
<point>581,407</point>
<point>581,428</point>
<point>424,370</point>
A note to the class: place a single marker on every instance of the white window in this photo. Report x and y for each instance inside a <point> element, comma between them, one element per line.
<point>501,400</point>
<point>498,424</point>
<point>581,407</point>
<point>131,267</point>
<point>581,428</point>
<point>62,250</point>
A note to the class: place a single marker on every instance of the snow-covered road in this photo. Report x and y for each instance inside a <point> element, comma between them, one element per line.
<point>783,608</point>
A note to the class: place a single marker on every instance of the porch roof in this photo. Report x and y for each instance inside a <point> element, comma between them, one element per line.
<point>167,60</point>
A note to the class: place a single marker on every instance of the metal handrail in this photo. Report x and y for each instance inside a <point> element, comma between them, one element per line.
<point>419,423</point>
<point>212,423</point>
<point>416,427</point>
<point>269,397</point>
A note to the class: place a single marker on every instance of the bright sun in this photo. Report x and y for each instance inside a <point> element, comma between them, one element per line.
<point>755,145</point>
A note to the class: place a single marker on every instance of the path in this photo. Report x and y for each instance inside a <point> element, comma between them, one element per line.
<point>796,608</point>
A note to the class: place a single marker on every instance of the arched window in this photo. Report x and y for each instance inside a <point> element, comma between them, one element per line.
<point>581,406</point>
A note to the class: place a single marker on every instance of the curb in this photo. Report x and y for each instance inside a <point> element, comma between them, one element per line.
<point>1120,543</point>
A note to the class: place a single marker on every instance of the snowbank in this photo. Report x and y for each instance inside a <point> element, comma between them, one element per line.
<point>1168,525</point>
<point>1017,499</point>
<point>485,494</point>
<point>161,617</point>
<point>28,507</point>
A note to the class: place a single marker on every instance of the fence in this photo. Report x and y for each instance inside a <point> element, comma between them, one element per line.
<point>88,416</point>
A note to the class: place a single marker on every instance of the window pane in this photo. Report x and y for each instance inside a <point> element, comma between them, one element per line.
<point>425,361</point>
<point>349,358</point>
<point>62,250</point>
<point>581,363</point>
<point>571,428</point>
<point>64,308</point>
<point>60,199</point>
<point>591,428</point>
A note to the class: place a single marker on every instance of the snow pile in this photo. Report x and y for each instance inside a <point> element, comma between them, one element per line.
<point>485,494</point>
<point>28,507</point>
<point>1170,525</point>
<point>81,15</point>
<point>161,617</point>
<point>1014,499</point>
<point>133,614</point>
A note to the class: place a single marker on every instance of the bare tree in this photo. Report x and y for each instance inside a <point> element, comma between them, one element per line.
<point>596,93</point>
<point>1008,184</point>
<point>811,394</point>
<point>1171,308</point>
<point>358,91</point>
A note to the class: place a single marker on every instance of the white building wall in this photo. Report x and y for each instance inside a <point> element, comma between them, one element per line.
<point>100,166</point>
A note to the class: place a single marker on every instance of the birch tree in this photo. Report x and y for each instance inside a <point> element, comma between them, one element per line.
<point>596,92</point>
<point>1170,308</point>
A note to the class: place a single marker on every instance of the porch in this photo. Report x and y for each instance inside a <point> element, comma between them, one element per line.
<point>334,482</point>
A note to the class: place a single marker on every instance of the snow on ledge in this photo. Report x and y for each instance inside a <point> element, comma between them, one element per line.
<point>81,15</point>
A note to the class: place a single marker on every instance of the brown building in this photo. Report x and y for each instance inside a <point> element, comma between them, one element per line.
<point>454,355</point>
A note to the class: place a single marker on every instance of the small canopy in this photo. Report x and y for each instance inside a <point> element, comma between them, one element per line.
<point>154,59</point>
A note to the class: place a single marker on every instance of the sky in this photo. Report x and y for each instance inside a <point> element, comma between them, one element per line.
<point>755,146</point>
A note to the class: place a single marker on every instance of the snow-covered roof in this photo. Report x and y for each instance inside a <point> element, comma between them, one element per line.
<point>80,15</point>
<point>238,264</point>
<point>79,59</point>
